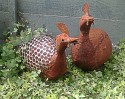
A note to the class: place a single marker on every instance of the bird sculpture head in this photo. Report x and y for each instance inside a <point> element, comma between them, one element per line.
<point>86,20</point>
<point>63,40</point>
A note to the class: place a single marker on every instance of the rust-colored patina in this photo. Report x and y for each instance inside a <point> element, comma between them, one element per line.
<point>94,46</point>
<point>58,66</point>
<point>48,55</point>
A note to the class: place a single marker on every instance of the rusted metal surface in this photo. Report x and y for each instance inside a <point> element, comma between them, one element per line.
<point>48,55</point>
<point>94,46</point>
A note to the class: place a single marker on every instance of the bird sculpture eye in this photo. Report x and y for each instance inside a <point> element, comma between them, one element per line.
<point>62,39</point>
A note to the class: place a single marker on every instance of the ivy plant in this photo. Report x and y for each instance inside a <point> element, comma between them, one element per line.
<point>16,82</point>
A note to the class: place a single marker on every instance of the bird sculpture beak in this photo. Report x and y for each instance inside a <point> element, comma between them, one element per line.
<point>71,40</point>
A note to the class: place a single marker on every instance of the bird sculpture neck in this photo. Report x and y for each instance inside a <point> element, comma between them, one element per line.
<point>85,30</point>
<point>61,49</point>
<point>84,33</point>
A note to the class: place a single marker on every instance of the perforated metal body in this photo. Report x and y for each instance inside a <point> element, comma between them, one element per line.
<point>38,52</point>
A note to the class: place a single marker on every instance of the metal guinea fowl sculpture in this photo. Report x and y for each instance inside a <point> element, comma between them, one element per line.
<point>48,55</point>
<point>94,46</point>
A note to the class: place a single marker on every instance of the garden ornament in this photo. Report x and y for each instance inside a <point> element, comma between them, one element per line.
<point>48,54</point>
<point>94,46</point>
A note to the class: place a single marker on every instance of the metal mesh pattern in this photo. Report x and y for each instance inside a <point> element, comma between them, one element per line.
<point>38,52</point>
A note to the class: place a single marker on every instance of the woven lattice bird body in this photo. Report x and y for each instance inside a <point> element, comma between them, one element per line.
<point>38,52</point>
<point>48,54</point>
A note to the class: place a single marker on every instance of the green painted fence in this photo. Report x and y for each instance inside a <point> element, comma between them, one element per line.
<point>109,14</point>
<point>7,15</point>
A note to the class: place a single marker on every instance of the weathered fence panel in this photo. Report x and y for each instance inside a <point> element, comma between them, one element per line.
<point>7,15</point>
<point>109,14</point>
